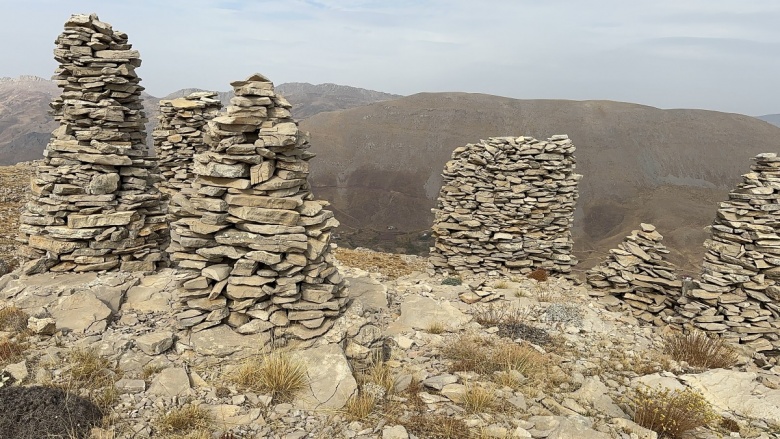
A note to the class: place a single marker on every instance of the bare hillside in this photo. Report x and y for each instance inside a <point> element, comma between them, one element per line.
<point>380,164</point>
<point>25,124</point>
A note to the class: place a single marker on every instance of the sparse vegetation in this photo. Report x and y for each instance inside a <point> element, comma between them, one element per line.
<point>477,399</point>
<point>486,356</point>
<point>10,351</point>
<point>452,281</point>
<point>435,328</point>
<point>190,421</point>
<point>360,406</point>
<point>87,368</point>
<point>700,350</point>
<point>275,373</point>
<point>379,374</point>
<point>670,413</point>
<point>436,426</point>
<point>13,319</point>
<point>501,284</point>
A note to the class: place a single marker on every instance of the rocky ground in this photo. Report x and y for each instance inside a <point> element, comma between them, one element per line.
<point>489,358</point>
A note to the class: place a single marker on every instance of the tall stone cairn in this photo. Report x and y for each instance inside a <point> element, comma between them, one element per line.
<point>94,204</point>
<point>506,204</point>
<point>637,273</point>
<point>739,292</point>
<point>256,240</point>
<point>179,136</point>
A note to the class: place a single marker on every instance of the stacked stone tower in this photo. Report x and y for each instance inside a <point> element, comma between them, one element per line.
<point>94,204</point>
<point>257,241</point>
<point>739,292</point>
<point>507,204</point>
<point>179,136</point>
<point>638,273</point>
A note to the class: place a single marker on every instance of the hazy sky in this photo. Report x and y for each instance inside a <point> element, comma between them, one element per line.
<point>714,54</point>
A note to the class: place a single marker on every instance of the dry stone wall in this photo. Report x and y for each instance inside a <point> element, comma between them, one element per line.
<point>179,136</point>
<point>739,292</point>
<point>637,273</point>
<point>257,241</point>
<point>506,204</point>
<point>94,204</point>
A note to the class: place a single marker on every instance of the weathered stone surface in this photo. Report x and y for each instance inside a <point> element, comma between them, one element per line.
<point>155,343</point>
<point>331,382</point>
<point>737,392</point>
<point>419,312</point>
<point>172,381</point>
<point>81,312</point>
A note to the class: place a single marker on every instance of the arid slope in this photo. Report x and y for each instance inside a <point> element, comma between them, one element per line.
<point>380,165</point>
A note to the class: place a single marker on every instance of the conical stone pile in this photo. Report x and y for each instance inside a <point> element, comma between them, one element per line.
<point>739,292</point>
<point>252,232</point>
<point>94,203</point>
<point>637,273</point>
<point>506,204</point>
<point>179,136</point>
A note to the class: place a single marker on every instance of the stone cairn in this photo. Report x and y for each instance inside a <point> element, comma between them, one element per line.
<point>506,204</point>
<point>637,273</point>
<point>739,292</point>
<point>179,136</point>
<point>94,203</point>
<point>257,241</point>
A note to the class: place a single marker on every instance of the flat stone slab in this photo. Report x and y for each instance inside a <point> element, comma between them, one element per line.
<point>171,382</point>
<point>222,341</point>
<point>155,343</point>
<point>419,312</point>
<point>371,293</point>
<point>81,312</point>
<point>331,382</point>
<point>737,392</point>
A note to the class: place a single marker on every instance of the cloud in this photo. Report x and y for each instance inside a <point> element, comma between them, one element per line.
<point>665,53</point>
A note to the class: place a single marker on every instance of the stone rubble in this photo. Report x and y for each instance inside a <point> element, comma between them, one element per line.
<point>179,136</point>
<point>257,241</point>
<point>597,360</point>
<point>638,274</point>
<point>506,205</point>
<point>739,292</point>
<point>94,204</point>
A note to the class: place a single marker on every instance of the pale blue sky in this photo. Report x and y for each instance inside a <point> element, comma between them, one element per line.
<point>713,54</point>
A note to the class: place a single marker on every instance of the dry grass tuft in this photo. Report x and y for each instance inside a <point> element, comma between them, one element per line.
<point>190,421</point>
<point>670,413</point>
<point>436,328</point>
<point>275,373</point>
<point>501,284</point>
<point>89,369</point>
<point>435,426</point>
<point>379,374</point>
<point>539,275</point>
<point>487,356</point>
<point>13,319</point>
<point>360,406</point>
<point>150,370</point>
<point>700,350</point>
<point>477,399</point>
<point>11,351</point>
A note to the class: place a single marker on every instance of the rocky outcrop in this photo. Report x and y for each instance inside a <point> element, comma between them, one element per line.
<point>179,136</point>
<point>257,241</point>
<point>94,205</point>
<point>507,204</point>
<point>739,292</point>
<point>637,273</point>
